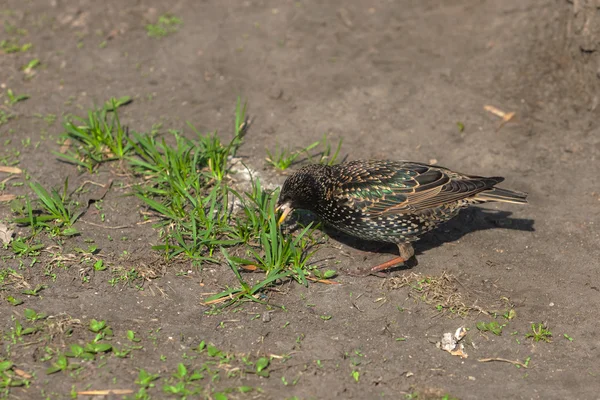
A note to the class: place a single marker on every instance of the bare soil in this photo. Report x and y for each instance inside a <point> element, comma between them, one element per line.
<point>393,80</point>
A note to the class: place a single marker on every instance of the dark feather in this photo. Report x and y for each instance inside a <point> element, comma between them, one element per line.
<point>384,188</point>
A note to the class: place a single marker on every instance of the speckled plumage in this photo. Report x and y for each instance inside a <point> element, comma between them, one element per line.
<point>388,201</point>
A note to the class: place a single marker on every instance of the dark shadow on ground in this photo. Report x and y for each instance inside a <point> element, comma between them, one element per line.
<point>469,220</point>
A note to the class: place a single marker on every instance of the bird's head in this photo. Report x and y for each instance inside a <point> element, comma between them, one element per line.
<point>302,190</point>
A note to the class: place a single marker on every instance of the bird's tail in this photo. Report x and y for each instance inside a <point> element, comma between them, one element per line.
<point>502,195</point>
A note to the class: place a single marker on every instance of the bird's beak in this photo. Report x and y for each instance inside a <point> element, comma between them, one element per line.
<point>286,208</point>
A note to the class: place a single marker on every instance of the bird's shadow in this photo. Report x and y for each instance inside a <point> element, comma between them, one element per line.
<point>469,220</point>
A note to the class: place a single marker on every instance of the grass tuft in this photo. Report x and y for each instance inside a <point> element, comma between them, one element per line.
<point>282,158</point>
<point>185,183</point>
<point>166,25</point>
<point>98,139</point>
<point>57,212</point>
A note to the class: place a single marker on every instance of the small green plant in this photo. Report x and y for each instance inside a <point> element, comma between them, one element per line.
<point>539,332</point>
<point>187,191</point>
<point>145,379</point>
<point>113,103</point>
<point>261,366</point>
<point>35,291</point>
<point>510,314</point>
<point>13,301</point>
<point>78,351</point>
<point>18,331</point>
<point>184,382</point>
<point>569,338</point>
<point>14,98</point>
<point>279,256</point>
<point>231,296</point>
<point>200,233</point>
<point>493,327</point>
<point>132,337</point>
<point>22,247</point>
<point>254,215</point>
<point>8,377</point>
<point>97,326</point>
<point>282,158</point>
<point>31,65</point>
<point>61,364</point>
<point>165,25</point>
<point>5,117</point>
<point>98,139</point>
<point>55,207</point>
<point>326,156</point>
<point>95,347</point>
<point>99,265</point>
<point>10,46</point>
<point>278,251</point>
<point>32,316</point>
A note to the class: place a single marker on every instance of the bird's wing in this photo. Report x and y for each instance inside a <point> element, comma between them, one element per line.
<point>382,188</point>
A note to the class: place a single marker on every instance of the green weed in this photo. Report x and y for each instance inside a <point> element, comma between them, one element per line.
<point>14,98</point>
<point>279,256</point>
<point>183,382</point>
<point>569,338</point>
<point>27,68</point>
<point>61,364</point>
<point>98,139</point>
<point>56,207</point>
<point>277,251</point>
<point>35,291</point>
<point>326,156</point>
<point>282,159</point>
<point>254,215</point>
<point>5,117</point>
<point>166,25</point>
<point>493,327</point>
<point>8,377</point>
<point>11,46</point>
<point>33,316</point>
<point>539,332</point>
<point>23,248</point>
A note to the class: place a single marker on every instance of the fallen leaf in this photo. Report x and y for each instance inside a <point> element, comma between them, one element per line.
<point>5,233</point>
<point>22,373</point>
<point>65,146</point>
<point>105,392</point>
<point>10,170</point>
<point>7,197</point>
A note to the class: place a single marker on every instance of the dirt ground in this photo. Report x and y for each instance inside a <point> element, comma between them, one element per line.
<point>393,79</point>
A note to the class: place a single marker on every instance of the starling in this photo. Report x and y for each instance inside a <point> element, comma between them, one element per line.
<point>387,201</point>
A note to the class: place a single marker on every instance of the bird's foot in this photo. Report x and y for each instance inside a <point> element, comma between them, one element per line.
<point>389,264</point>
<point>406,253</point>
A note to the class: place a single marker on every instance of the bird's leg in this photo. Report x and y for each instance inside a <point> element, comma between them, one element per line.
<point>406,253</point>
